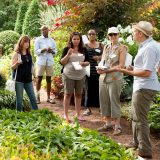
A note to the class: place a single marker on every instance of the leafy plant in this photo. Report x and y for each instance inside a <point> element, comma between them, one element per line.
<point>57,87</point>
<point>8,100</point>
<point>154,117</point>
<point>20,17</point>
<point>8,39</point>
<point>44,135</point>
<point>31,25</point>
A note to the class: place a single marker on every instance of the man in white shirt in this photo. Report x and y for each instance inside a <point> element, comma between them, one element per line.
<point>45,49</point>
<point>145,86</point>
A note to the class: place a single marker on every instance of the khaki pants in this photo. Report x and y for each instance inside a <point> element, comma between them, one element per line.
<point>109,96</point>
<point>141,100</point>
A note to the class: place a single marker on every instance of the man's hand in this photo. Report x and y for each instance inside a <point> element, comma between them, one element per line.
<point>96,58</point>
<point>44,50</point>
<point>101,71</point>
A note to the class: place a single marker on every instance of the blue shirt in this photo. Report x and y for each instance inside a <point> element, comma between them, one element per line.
<point>146,59</point>
<point>44,58</point>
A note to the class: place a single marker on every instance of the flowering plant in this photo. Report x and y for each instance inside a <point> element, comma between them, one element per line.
<point>57,87</point>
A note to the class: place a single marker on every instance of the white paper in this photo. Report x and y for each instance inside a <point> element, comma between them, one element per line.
<point>77,66</point>
<point>128,60</point>
<point>87,68</point>
<point>101,67</point>
<point>85,39</point>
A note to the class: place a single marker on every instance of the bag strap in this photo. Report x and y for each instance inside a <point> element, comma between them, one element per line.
<point>15,75</point>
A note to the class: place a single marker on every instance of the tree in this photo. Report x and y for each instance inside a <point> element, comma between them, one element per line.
<point>31,23</point>
<point>20,17</point>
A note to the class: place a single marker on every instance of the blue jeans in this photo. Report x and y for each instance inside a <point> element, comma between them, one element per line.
<point>19,95</point>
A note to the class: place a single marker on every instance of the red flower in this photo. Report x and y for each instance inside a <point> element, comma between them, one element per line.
<point>52,2</point>
<point>58,24</point>
<point>67,13</point>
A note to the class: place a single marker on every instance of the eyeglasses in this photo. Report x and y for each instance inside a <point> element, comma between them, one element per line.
<point>113,34</point>
<point>93,34</point>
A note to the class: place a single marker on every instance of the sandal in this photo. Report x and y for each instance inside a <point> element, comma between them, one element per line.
<point>51,101</point>
<point>117,131</point>
<point>81,119</point>
<point>105,128</point>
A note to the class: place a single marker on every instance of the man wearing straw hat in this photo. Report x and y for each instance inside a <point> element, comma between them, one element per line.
<point>45,49</point>
<point>145,86</point>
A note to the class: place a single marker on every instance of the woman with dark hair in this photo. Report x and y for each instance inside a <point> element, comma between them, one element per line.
<point>95,50</point>
<point>74,77</point>
<point>22,67</point>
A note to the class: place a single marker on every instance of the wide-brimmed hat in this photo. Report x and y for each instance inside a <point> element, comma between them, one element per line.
<point>145,27</point>
<point>113,30</point>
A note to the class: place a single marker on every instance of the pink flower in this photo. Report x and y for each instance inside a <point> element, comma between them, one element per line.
<point>67,13</point>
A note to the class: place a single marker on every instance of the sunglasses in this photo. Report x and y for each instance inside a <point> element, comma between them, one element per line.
<point>113,34</point>
<point>91,34</point>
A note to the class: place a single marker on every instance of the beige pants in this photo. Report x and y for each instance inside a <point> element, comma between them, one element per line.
<point>109,96</point>
<point>141,100</point>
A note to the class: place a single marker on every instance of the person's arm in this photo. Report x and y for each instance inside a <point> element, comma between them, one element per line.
<point>66,55</point>
<point>14,61</point>
<point>53,49</point>
<point>37,49</point>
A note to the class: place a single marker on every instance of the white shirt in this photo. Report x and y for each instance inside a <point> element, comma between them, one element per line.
<point>146,59</point>
<point>44,58</point>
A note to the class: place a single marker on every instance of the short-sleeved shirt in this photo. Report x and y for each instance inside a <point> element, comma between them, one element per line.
<point>69,70</point>
<point>110,58</point>
<point>93,63</point>
<point>146,59</point>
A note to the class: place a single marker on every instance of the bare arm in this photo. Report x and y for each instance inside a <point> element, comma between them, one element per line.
<point>14,62</point>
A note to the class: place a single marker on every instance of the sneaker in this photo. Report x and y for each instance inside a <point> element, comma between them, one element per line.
<point>117,131</point>
<point>87,112</point>
<point>131,145</point>
<point>105,128</point>
<point>51,101</point>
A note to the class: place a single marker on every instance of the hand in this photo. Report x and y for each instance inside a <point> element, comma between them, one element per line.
<point>100,71</point>
<point>96,58</point>
<point>49,50</point>
<point>70,51</point>
<point>130,68</point>
<point>82,64</point>
<point>44,50</point>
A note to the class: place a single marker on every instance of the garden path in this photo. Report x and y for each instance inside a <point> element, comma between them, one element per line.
<point>95,120</point>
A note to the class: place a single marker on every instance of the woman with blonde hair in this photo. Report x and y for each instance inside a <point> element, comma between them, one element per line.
<point>111,81</point>
<point>22,68</point>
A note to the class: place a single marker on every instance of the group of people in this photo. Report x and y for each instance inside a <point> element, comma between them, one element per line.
<point>103,86</point>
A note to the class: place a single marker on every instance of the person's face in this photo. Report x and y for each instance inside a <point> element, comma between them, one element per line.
<point>113,37</point>
<point>136,35</point>
<point>75,40</point>
<point>92,35</point>
<point>45,31</point>
<point>26,45</point>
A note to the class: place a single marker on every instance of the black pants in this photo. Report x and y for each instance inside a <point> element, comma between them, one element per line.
<point>92,91</point>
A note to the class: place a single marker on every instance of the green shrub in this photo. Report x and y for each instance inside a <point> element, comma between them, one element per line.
<point>8,39</point>
<point>20,17</point>
<point>31,25</point>
<point>8,100</point>
<point>2,81</point>
<point>154,117</point>
<point>43,135</point>
<point>5,66</point>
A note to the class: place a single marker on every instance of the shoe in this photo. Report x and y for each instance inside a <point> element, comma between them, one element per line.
<point>81,119</point>
<point>144,155</point>
<point>131,145</point>
<point>117,131</point>
<point>87,112</point>
<point>105,128</point>
<point>51,101</point>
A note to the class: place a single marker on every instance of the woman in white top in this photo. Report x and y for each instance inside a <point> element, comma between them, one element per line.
<point>74,59</point>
